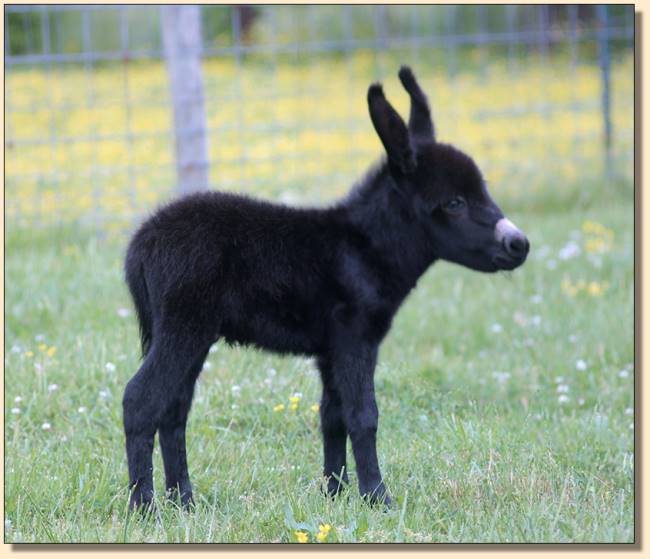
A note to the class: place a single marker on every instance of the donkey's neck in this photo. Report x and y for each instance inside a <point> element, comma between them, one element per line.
<point>386,217</point>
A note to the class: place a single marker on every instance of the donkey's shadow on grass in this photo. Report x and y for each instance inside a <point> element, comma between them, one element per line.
<point>319,282</point>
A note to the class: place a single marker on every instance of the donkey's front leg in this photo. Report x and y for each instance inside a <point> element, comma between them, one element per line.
<point>354,372</point>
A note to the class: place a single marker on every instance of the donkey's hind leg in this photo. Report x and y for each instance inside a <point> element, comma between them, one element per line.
<point>171,434</point>
<point>147,398</point>
<point>334,431</point>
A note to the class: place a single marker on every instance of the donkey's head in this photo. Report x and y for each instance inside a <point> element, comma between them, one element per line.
<point>445,186</point>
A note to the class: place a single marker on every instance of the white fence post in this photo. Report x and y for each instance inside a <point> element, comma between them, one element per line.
<point>181,33</point>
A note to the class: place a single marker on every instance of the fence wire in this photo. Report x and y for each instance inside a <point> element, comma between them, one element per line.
<point>541,96</point>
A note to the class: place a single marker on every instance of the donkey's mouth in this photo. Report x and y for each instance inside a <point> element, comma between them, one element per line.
<point>507,262</point>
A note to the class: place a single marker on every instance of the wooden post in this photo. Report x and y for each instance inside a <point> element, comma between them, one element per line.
<point>181,33</point>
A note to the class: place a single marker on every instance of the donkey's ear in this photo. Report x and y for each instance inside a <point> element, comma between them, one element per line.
<point>420,123</point>
<point>391,130</point>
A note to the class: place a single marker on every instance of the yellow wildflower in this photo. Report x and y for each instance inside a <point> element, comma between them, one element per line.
<point>293,407</point>
<point>315,408</point>
<point>323,532</point>
<point>294,399</point>
<point>302,537</point>
<point>595,245</point>
<point>279,407</point>
<point>42,347</point>
<point>594,289</point>
<point>51,351</point>
<point>29,354</point>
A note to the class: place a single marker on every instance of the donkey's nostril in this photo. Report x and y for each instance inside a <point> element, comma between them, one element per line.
<point>517,245</point>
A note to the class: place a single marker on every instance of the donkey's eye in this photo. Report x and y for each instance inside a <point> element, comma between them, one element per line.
<point>455,205</point>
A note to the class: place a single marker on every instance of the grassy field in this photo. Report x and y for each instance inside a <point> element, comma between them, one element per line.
<point>505,404</point>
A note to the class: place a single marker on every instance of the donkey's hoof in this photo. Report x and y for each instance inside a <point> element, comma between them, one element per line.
<point>183,499</point>
<point>334,487</point>
<point>379,497</point>
<point>145,509</point>
<point>141,500</point>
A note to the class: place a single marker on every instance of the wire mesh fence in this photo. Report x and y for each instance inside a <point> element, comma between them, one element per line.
<point>541,96</point>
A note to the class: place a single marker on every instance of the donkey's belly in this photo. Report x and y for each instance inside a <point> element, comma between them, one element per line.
<point>279,335</point>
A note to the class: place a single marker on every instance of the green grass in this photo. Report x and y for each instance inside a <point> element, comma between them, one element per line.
<point>472,456</point>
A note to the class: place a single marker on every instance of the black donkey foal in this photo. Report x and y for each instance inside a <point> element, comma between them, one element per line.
<point>320,282</point>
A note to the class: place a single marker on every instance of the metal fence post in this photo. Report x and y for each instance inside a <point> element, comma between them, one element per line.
<point>604,62</point>
<point>181,33</point>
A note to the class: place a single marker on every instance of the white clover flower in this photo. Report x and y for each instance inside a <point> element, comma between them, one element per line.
<point>563,388</point>
<point>18,399</point>
<point>623,373</point>
<point>501,377</point>
<point>207,365</point>
<point>46,426</point>
<point>214,348</point>
<point>496,328</point>
<point>82,409</point>
<point>581,401</point>
<point>563,398</point>
<point>110,367</point>
<point>236,388</point>
<point>559,380</point>
<point>15,411</point>
<point>581,365</point>
<point>123,312</point>
<point>629,411</point>
<point>52,387</point>
<point>569,250</point>
<point>39,337</point>
<point>103,394</point>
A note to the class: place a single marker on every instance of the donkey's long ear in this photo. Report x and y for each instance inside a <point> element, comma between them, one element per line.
<point>391,130</point>
<point>420,123</point>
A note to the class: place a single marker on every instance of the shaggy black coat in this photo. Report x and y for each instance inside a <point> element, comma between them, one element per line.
<point>319,282</point>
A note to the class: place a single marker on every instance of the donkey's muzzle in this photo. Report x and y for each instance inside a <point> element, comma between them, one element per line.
<point>516,245</point>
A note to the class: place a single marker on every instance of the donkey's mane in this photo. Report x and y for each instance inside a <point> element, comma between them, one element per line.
<point>365,188</point>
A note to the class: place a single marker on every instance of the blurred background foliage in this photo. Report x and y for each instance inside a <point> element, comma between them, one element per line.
<point>89,131</point>
<point>260,22</point>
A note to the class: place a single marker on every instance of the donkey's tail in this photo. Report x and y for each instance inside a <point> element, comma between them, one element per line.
<point>135,279</point>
